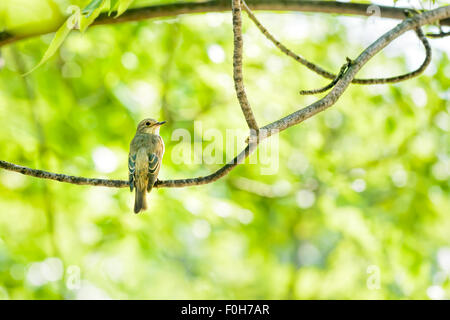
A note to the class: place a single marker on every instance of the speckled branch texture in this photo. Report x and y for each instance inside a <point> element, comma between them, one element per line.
<point>412,23</point>
<point>237,66</point>
<point>125,183</point>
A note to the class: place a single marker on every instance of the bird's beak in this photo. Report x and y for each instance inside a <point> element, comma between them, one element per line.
<point>160,123</point>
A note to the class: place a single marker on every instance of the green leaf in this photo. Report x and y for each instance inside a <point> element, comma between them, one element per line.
<point>123,5</point>
<point>87,20</point>
<point>113,6</point>
<point>60,35</point>
<point>90,13</point>
<point>89,9</point>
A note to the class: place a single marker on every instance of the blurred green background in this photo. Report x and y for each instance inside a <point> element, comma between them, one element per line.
<point>359,207</point>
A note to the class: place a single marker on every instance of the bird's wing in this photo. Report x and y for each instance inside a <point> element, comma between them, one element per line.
<point>153,163</point>
<point>155,157</point>
<point>153,169</point>
<point>154,160</point>
<point>131,169</point>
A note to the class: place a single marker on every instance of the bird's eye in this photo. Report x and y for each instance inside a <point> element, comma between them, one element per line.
<point>147,123</point>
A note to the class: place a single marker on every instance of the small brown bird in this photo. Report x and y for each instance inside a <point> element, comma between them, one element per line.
<point>144,160</point>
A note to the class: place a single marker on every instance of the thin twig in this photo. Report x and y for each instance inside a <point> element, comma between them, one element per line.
<point>332,84</point>
<point>441,34</point>
<point>326,74</point>
<point>408,75</point>
<point>438,35</point>
<point>237,66</point>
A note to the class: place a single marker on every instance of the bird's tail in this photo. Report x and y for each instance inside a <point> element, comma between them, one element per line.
<point>140,202</point>
<point>141,174</point>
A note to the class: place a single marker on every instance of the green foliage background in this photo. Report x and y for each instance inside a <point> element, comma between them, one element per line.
<point>361,187</point>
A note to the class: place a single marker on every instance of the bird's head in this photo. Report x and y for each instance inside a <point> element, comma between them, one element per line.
<point>149,126</point>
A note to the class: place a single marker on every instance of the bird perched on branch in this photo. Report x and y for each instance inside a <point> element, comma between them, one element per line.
<point>144,160</point>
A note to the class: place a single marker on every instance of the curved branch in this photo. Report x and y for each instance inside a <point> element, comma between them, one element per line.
<point>326,74</point>
<point>175,9</point>
<point>395,79</point>
<point>211,177</point>
<point>125,183</point>
<point>277,126</point>
<point>408,75</point>
<point>327,101</point>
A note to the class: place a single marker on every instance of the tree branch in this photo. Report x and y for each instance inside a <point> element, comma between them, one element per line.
<point>174,9</point>
<point>277,126</point>
<point>63,177</point>
<point>125,183</point>
<point>326,74</point>
<point>237,66</point>
<point>408,75</point>
<point>327,101</point>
